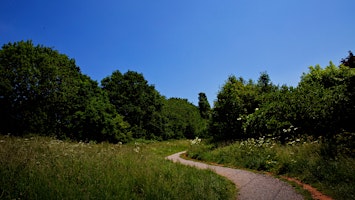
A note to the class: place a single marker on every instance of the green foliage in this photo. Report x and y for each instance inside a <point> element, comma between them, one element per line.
<point>349,61</point>
<point>182,119</point>
<point>329,96</point>
<point>323,104</point>
<point>264,83</point>
<point>32,81</point>
<point>204,106</point>
<point>235,100</point>
<point>44,92</point>
<point>98,115</point>
<point>274,117</point>
<point>301,159</point>
<point>137,101</point>
<point>45,168</point>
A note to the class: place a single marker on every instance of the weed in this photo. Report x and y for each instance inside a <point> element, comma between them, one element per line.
<point>46,168</point>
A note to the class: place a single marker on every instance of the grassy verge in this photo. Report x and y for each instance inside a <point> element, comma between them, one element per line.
<point>45,168</point>
<point>306,161</point>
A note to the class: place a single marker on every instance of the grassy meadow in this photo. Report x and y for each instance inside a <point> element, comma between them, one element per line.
<point>46,168</point>
<point>307,161</point>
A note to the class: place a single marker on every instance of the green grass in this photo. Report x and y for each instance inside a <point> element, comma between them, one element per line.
<point>46,168</point>
<point>306,161</point>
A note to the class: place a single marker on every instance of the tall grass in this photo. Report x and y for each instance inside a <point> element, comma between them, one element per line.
<point>45,168</point>
<point>304,160</point>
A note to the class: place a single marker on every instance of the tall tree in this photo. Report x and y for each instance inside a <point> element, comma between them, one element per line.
<point>349,61</point>
<point>136,100</point>
<point>264,82</point>
<point>44,92</point>
<point>94,117</point>
<point>235,100</point>
<point>33,80</point>
<point>204,106</point>
<point>182,119</point>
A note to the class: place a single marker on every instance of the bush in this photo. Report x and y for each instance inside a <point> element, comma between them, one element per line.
<point>300,158</point>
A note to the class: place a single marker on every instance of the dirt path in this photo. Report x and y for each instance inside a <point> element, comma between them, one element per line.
<point>250,185</point>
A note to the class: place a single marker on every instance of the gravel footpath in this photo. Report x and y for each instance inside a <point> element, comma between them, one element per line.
<point>251,185</point>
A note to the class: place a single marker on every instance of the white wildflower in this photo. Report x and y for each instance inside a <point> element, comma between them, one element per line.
<point>196,141</point>
<point>136,149</point>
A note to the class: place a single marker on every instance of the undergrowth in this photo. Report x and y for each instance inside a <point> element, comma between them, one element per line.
<point>46,168</point>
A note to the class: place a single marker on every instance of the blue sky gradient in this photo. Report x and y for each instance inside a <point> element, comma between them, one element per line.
<point>186,47</point>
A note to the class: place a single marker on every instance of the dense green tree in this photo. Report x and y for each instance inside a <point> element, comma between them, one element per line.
<point>275,116</point>
<point>235,100</point>
<point>137,101</point>
<point>349,61</point>
<point>329,99</point>
<point>95,118</point>
<point>33,78</point>
<point>204,106</point>
<point>264,82</point>
<point>321,105</point>
<point>44,92</point>
<point>182,119</point>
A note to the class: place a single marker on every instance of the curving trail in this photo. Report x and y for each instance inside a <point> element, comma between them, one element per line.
<point>251,185</point>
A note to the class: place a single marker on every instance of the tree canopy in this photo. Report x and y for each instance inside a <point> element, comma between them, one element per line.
<point>183,119</point>
<point>322,105</point>
<point>349,61</point>
<point>204,106</point>
<point>136,100</point>
<point>44,92</point>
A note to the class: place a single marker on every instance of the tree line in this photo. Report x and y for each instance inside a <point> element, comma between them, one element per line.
<point>44,92</point>
<point>321,106</point>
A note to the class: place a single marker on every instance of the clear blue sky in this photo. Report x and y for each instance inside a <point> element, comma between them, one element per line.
<point>184,47</point>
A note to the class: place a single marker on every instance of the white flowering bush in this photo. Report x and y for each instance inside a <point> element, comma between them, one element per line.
<point>136,148</point>
<point>196,141</point>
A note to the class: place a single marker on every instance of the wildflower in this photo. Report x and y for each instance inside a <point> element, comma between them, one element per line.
<point>196,141</point>
<point>119,144</point>
<point>256,109</point>
<point>239,118</point>
<point>136,149</point>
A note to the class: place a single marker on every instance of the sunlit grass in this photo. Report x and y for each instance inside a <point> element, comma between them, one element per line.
<point>300,159</point>
<point>46,168</point>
